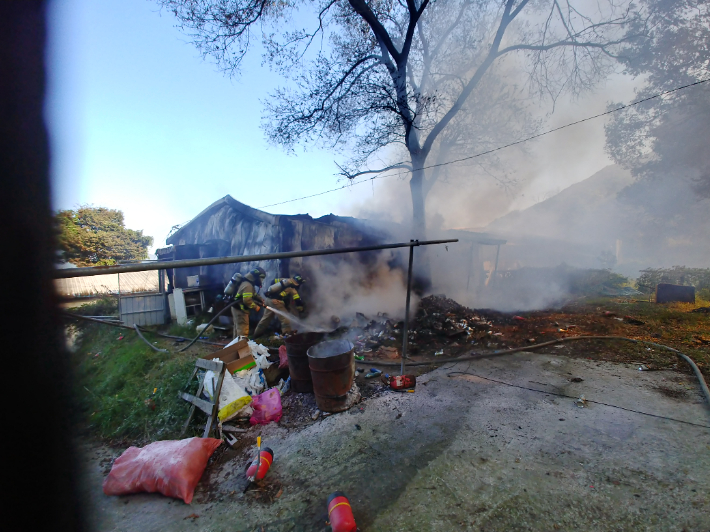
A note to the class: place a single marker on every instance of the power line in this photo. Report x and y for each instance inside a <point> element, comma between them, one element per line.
<point>549,392</point>
<point>487,152</point>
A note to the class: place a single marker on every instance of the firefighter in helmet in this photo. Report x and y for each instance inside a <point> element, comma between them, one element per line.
<point>246,295</point>
<point>282,295</point>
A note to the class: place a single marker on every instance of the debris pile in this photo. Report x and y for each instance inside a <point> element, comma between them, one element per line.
<point>441,321</point>
<point>377,337</point>
<point>439,326</point>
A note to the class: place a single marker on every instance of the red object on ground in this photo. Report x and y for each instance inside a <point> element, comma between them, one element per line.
<point>172,468</point>
<point>283,357</point>
<point>340,513</point>
<point>267,407</point>
<point>520,318</point>
<point>402,382</point>
<point>267,458</point>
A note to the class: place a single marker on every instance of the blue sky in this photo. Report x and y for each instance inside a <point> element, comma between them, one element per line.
<point>139,122</point>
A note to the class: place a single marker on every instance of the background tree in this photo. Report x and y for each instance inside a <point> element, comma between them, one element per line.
<point>390,74</point>
<point>664,142</point>
<point>667,138</point>
<point>97,236</point>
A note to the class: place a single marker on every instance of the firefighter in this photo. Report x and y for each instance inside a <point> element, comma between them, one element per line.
<point>282,295</point>
<point>247,297</point>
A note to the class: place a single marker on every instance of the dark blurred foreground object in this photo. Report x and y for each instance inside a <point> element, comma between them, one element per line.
<point>672,293</point>
<point>40,473</point>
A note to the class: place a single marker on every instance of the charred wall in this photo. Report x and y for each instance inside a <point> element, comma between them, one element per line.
<point>231,228</point>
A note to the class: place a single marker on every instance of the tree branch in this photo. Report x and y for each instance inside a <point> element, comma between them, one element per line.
<point>362,9</point>
<point>473,82</point>
<point>347,174</point>
<point>575,44</point>
<point>414,16</point>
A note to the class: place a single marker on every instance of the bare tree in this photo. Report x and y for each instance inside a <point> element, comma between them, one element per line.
<point>381,78</point>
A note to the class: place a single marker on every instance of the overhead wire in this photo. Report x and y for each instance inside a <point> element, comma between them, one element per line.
<point>477,356</point>
<point>487,152</point>
<point>548,392</point>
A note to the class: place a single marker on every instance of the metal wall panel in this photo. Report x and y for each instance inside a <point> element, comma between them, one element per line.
<point>145,309</point>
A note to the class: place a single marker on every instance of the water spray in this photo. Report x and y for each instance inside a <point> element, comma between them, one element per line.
<point>300,325</point>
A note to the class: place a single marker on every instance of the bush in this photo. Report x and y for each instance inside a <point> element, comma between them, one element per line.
<point>106,306</point>
<point>680,275</point>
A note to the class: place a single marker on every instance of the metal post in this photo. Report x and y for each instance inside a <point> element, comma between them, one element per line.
<point>495,268</point>
<point>405,332</point>
<point>470,266</point>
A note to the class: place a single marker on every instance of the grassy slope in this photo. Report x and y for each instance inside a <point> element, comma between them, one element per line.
<point>115,380</point>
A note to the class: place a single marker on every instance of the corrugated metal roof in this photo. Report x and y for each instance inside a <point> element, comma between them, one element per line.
<point>108,284</point>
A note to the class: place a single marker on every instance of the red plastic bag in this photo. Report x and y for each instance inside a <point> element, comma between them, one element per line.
<point>283,357</point>
<point>172,468</point>
<point>267,407</point>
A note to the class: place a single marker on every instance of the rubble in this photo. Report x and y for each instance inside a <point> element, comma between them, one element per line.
<point>439,322</point>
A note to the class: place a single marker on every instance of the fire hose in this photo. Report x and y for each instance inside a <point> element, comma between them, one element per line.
<point>208,325</point>
<point>476,356</point>
<point>138,330</point>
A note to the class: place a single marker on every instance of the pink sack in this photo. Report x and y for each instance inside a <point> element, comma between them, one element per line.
<point>267,407</point>
<point>283,357</point>
<point>172,468</point>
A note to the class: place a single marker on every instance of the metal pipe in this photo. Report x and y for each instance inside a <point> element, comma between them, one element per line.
<point>66,273</point>
<point>405,332</point>
<point>470,267</point>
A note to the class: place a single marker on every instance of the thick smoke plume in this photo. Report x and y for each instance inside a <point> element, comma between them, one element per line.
<point>371,284</point>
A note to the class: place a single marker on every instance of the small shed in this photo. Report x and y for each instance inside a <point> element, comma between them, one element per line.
<point>231,228</point>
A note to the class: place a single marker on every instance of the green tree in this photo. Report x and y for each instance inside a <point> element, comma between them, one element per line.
<point>97,236</point>
<point>666,139</point>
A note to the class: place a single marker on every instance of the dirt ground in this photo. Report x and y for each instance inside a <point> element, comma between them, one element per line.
<point>442,328</point>
<point>496,444</point>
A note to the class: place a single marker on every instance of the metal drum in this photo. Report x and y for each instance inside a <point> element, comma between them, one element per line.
<point>332,365</point>
<point>297,349</point>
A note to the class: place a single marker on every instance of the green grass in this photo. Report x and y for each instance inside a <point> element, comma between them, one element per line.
<point>106,306</point>
<point>117,381</point>
<point>182,330</point>
<point>671,324</point>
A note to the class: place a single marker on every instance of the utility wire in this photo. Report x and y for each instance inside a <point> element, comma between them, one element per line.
<point>487,152</point>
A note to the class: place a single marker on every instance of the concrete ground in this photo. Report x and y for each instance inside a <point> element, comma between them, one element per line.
<point>467,453</point>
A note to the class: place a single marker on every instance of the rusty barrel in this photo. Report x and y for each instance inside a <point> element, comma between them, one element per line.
<point>332,366</point>
<point>297,349</point>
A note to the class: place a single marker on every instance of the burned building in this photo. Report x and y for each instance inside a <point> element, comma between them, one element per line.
<point>231,228</point>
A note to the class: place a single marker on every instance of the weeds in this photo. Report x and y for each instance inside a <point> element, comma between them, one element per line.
<point>670,324</point>
<point>126,392</point>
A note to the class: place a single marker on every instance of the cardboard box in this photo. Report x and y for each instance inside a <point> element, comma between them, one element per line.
<point>236,356</point>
